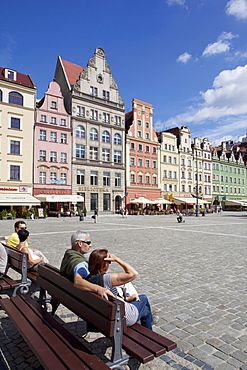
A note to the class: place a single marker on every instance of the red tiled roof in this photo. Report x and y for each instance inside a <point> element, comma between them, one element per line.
<point>21,79</point>
<point>72,71</point>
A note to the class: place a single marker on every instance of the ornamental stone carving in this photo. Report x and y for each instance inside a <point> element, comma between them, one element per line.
<point>84,74</point>
<point>114,84</point>
<point>91,62</point>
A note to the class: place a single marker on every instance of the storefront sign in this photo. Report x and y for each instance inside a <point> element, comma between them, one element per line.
<point>94,189</point>
<point>8,189</point>
<point>53,192</point>
<point>23,189</point>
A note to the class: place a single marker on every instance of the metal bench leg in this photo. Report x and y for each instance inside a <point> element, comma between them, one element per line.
<point>24,289</point>
<point>133,363</point>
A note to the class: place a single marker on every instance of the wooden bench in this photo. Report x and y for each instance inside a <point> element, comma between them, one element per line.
<point>18,262</point>
<point>53,345</point>
<point>141,344</point>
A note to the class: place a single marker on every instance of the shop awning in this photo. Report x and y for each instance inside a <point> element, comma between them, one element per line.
<point>60,198</point>
<point>189,200</point>
<point>18,200</point>
<point>141,200</point>
<point>230,202</point>
<point>161,201</point>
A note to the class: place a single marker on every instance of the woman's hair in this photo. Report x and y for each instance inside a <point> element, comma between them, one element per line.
<point>23,235</point>
<point>97,264</point>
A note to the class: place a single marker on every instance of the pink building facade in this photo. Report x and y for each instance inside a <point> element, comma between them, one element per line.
<point>52,145</point>
<point>142,154</point>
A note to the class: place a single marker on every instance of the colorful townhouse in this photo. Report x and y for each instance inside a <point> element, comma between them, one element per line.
<point>17,109</point>
<point>142,154</point>
<point>52,152</point>
<point>98,131</point>
<point>229,178</point>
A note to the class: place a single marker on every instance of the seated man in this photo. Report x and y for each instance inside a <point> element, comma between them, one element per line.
<point>74,264</point>
<point>3,260</point>
<point>13,239</point>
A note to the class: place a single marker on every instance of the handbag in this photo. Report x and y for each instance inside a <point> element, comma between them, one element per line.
<point>93,217</point>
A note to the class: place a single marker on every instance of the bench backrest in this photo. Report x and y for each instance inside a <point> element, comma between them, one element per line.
<point>16,258</point>
<point>90,306</point>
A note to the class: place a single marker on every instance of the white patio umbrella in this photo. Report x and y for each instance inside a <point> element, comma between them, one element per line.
<point>142,200</point>
<point>161,201</point>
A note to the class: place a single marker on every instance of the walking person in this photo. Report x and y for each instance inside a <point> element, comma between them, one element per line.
<point>95,213</point>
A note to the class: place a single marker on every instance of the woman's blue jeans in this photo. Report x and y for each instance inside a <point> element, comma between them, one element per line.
<point>145,314</point>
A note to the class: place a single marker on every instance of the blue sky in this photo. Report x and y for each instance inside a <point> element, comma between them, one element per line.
<point>186,57</point>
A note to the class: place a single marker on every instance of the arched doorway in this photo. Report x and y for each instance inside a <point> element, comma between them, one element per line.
<point>118,203</point>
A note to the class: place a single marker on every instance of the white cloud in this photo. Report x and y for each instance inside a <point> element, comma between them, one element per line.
<point>222,45</point>
<point>237,8</point>
<point>175,2</point>
<point>6,53</point>
<point>184,58</point>
<point>223,108</point>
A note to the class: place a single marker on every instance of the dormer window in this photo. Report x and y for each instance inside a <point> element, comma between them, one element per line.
<point>53,105</point>
<point>10,74</point>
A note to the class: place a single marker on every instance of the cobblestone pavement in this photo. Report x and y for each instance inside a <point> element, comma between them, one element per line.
<point>194,275</point>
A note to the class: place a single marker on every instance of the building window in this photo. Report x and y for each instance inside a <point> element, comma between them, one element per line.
<point>132,178</point>
<point>147,163</point>
<point>53,137</point>
<point>63,158</point>
<point>54,120</point>
<point>43,118</point>
<point>154,150</point>
<point>183,188</point>
<point>165,174</point>
<point>15,98</point>
<point>165,187</point>
<point>15,123</point>
<point>147,179</point>
<point>117,156</point>
<point>117,139</point>
<point>106,179</point>
<point>154,164</point>
<point>170,174</point>
<point>183,175</point>
<point>175,175</point>
<point>42,135</point>
<point>53,156</point>
<point>42,177</point>
<point>154,180</point>
<point>106,95</point>
<point>93,153</point>
<point>93,114</point>
<point>139,123</point>
<point>106,117</point>
<point>80,111</point>
<point>175,188</point>
<point>106,155</point>
<point>147,125</point>
<point>63,178</point>
<point>139,134</point>
<point>53,178</point>
<point>80,132</point>
<point>93,91</point>
<point>105,137</point>
<point>63,122</point>
<point>80,151</point>
<point>42,155</point>
<point>14,147</point>
<point>1,95</point>
<point>147,149</point>
<point>63,139</point>
<point>94,178</point>
<point>80,177</point>
<point>140,162</point>
<point>117,120</point>
<point>139,179</point>
<point>132,146</point>
<point>93,134</point>
<point>164,159</point>
<point>189,175</point>
<point>93,201</point>
<point>132,161</point>
<point>106,202</point>
<point>53,105</point>
<point>147,135</point>
<point>140,147</point>
<point>170,160</point>
<point>15,173</point>
<point>190,189</point>
<point>118,179</point>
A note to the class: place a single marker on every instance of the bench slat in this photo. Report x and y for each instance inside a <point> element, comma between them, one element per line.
<point>83,352</point>
<point>7,283</point>
<point>31,336</point>
<point>79,308</point>
<point>150,345</point>
<point>167,343</point>
<point>135,350</point>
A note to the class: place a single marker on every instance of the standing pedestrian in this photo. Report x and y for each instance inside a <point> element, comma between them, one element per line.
<point>95,213</point>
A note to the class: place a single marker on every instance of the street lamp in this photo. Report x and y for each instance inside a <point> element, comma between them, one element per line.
<point>197,184</point>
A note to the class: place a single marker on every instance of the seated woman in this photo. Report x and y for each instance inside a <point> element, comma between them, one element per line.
<point>137,308</point>
<point>35,257</point>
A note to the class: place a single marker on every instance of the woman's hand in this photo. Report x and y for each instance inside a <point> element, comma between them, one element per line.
<point>111,258</point>
<point>133,297</point>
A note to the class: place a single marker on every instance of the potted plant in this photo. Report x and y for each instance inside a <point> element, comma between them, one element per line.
<point>36,213</point>
<point>28,213</point>
<point>4,214</point>
<point>13,213</point>
<point>85,211</point>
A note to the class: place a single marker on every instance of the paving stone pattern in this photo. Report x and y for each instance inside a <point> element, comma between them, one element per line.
<point>194,275</point>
